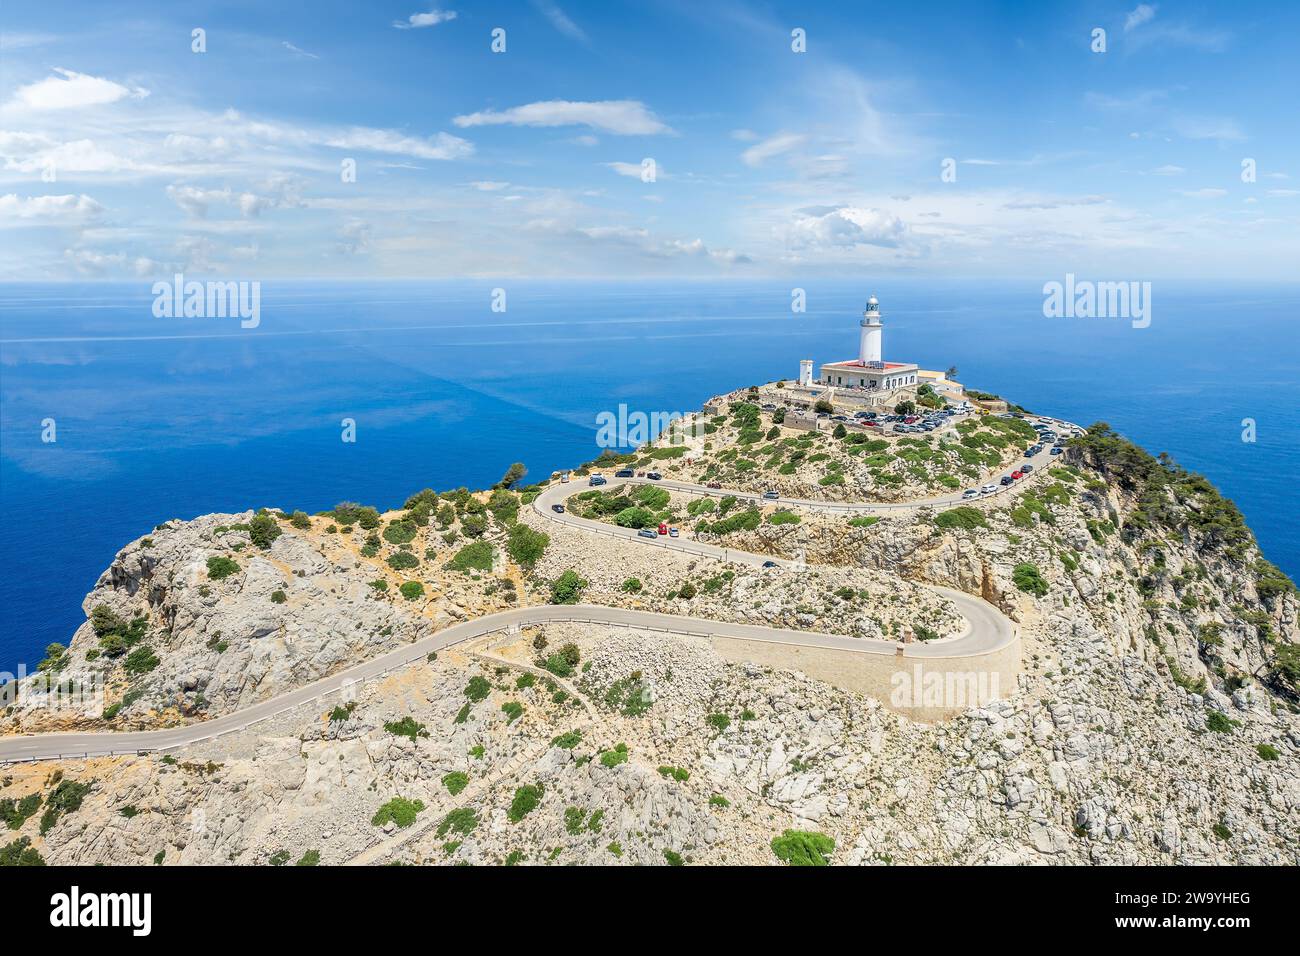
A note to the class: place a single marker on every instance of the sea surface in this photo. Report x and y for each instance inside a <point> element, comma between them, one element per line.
<point>159,418</point>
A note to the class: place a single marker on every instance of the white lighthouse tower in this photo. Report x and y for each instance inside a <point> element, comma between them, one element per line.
<point>869,343</point>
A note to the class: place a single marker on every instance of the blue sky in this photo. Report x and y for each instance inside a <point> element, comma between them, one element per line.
<point>123,154</point>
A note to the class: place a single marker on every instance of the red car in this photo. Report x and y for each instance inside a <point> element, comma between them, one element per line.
<point>1017,475</point>
<point>663,528</point>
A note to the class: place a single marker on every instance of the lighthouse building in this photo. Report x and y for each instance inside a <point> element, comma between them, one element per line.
<point>869,371</point>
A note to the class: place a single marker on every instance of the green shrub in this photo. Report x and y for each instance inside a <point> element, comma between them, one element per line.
<point>567,588</point>
<point>477,689</point>
<point>406,727</point>
<point>476,556</point>
<point>783,517</point>
<point>221,567</point>
<point>632,586</point>
<point>612,758</point>
<point>462,820</point>
<point>803,848</point>
<point>1027,578</point>
<point>455,782</point>
<point>718,722</point>
<point>310,858</point>
<point>525,545</point>
<point>526,800</point>
<point>278,596</point>
<point>15,813</point>
<point>263,530</point>
<point>20,853</point>
<point>569,740</point>
<point>401,531</point>
<point>1267,752</point>
<point>141,660</point>
<point>964,518</point>
<point>1219,722</point>
<point>398,810</point>
<point>411,590</point>
<point>403,561</point>
<point>513,710</point>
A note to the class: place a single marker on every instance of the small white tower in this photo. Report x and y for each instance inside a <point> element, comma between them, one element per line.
<point>805,371</point>
<point>869,343</point>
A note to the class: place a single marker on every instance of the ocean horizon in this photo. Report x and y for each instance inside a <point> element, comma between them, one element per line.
<point>159,418</point>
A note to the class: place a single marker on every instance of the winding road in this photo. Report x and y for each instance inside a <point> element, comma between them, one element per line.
<point>987,630</point>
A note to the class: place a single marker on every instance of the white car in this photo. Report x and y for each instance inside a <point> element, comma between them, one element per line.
<point>988,489</point>
<point>564,479</point>
<point>970,493</point>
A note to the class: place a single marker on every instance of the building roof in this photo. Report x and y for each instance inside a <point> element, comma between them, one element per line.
<point>857,366</point>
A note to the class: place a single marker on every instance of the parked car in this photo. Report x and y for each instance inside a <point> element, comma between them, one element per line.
<point>715,484</point>
<point>663,528</point>
<point>1026,468</point>
<point>623,473</point>
<point>564,478</point>
<point>1008,480</point>
<point>646,533</point>
<point>596,480</point>
<point>1017,475</point>
<point>970,493</point>
<point>769,564</point>
<point>1056,450</point>
<point>558,509</point>
<point>771,495</point>
<point>988,489</point>
<point>673,532</point>
<point>653,475</point>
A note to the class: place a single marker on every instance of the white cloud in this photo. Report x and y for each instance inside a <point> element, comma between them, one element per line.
<point>621,117</point>
<point>489,186</point>
<point>15,210</point>
<point>71,90</point>
<point>633,170</point>
<point>744,135</point>
<point>1207,127</point>
<point>431,19</point>
<point>757,154</point>
<point>439,146</point>
<point>1207,193</point>
<point>1283,193</point>
<point>560,20</point>
<point>1142,13</point>
<point>818,227</point>
<point>1168,170</point>
<point>299,52</point>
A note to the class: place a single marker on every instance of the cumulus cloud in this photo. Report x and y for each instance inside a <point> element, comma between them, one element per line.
<point>817,227</point>
<point>432,18</point>
<point>72,90</point>
<point>621,117</point>
<point>15,209</point>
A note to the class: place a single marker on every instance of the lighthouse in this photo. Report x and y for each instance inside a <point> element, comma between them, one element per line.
<point>869,371</point>
<point>869,341</point>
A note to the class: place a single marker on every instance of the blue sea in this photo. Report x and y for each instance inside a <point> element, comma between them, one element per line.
<point>164,418</point>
